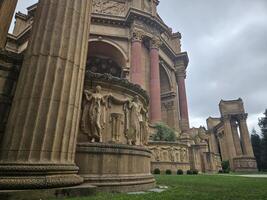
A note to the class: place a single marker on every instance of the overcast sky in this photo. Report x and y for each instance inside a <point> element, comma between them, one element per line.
<point>227,46</point>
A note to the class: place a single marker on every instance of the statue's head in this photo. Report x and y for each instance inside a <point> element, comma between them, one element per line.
<point>98,89</point>
<point>136,98</point>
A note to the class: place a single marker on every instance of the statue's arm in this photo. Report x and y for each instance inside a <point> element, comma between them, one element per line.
<point>118,100</point>
<point>88,95</point>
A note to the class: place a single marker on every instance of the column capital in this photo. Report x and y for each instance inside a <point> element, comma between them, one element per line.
<point>226,118</point>
<point>242,117</point>
<point>180,73</point>
<point>155,43</point>
<point>181,62</point>
<point>137,35</point>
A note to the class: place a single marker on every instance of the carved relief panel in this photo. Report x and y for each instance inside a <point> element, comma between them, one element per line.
<point>110,7</point>
<point>169,153</point>
<point>112,113</point>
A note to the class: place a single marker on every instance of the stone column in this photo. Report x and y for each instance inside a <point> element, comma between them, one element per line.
<point>136,72</point>
<point>39,145</point>
<point>229,139</point>
<point>181,76</point>
<point>7,9</point>
<point>236,139</point>
<point>244,133</point>
<point>155,96</point>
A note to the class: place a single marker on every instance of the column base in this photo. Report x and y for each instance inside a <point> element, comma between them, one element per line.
<point>23,176</point>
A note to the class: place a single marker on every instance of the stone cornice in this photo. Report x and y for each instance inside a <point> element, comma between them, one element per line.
<point>182,59</point>
<point>146,18</point>
<point>122,82</point>
<point>168,96</point>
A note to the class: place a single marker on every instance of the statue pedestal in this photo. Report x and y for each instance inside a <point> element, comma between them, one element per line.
<point>111,151</point>
<point>245,164</point>
<point>113,167</point>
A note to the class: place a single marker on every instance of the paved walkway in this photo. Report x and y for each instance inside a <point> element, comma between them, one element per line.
<point>254,175</point>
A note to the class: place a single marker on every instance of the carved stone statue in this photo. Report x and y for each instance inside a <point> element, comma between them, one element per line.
<point>135,118</point>
<point>156,151</point>
<point>116,124</point>
<point>183,155</point>
<point>145,130</point>
<point>94,113</point>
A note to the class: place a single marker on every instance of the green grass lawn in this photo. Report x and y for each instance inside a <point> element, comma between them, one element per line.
<point>201,187</point>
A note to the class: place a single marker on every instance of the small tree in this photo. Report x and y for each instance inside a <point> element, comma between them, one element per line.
<point>164,133</point>
<point>226,166</point>
<point>256,145</point>
<point>263,126</point>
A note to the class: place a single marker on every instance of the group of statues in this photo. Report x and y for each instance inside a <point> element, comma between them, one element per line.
<point>133,121</point>
<point>169,153</point>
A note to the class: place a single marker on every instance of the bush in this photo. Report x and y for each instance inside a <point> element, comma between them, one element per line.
<point>226,166</point>
<point>220,171</point>
<point>156,171</point>
<point>168,172</point>
<point>195,172</point>
<point>164,133</point>
<point>189,172</point>
<point>180,172</point>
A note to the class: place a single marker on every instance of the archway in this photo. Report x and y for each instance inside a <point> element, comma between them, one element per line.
<point>104,58</point>
<point>165,84</point>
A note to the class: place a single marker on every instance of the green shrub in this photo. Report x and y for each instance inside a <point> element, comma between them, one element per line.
<point>195,172</point>
<point>220,171</point>
<point>168,172</point>
<point>164,133</point>
<point>156,171</point>
<point>226,166</point>
<point>180,172</point>
<point>189,172</point>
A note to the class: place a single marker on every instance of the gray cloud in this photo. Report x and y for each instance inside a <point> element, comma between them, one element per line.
<point>227,46</point>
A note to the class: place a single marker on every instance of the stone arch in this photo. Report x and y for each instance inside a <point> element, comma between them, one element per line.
<point>165,80</point>
<point>106,57</point>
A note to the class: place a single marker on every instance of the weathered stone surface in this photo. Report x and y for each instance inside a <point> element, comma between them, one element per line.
<point>38,147</point>
<point>235,148</point>
<point>7,8</point>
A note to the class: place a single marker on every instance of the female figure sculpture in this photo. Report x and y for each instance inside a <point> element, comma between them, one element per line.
<point>94,114</point>
<point>136,117</point>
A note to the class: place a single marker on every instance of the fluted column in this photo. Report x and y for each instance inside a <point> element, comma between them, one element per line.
<point>155,98</point>
<point>136,72</point>
<point>229,137</point>
<point>38,147</point>
<point>183,105</point>
<point>7,9</point>
<point>236,139</point>
<point>244,133</point>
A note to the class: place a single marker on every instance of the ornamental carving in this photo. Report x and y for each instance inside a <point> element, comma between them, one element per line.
<point>169,153</point>
<point>137,35</point>
<point>109,7</point>
<point>113,117</point>
<point>155,43</point>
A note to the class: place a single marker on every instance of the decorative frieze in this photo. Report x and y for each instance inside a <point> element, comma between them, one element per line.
<point>109,7</point>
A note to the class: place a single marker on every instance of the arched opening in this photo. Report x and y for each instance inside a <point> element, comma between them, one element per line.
<point>105,58</point>
<point>165,85</point>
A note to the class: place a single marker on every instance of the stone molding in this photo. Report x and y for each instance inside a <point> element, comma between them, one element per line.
<point>118,81</point>
<point>39,182</point>
<point>100,148</point>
